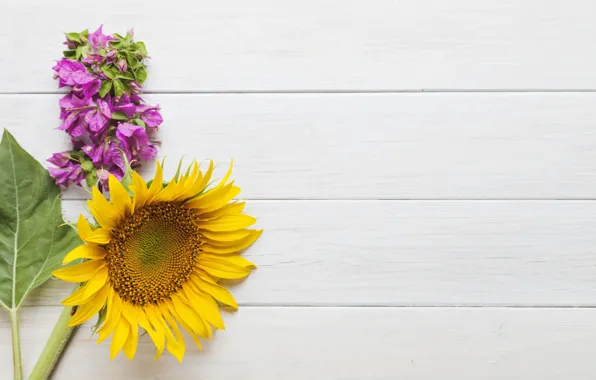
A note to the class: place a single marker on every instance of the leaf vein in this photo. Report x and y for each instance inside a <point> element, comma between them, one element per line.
<point>16,234</point>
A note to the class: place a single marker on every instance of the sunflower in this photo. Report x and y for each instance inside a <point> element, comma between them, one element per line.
<point>156,258</point>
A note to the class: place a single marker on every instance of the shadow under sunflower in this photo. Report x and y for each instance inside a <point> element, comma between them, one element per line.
<point>156,259</point>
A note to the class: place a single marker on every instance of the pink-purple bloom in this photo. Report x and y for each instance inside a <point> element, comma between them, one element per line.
<point>98,40</point>
<point>135,142</point>
<point>110,130</point>
<point>150,115</point>
<point>69,172</point>
<point>64,70</point>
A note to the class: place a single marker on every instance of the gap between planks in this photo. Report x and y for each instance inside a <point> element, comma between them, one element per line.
<point>370,306</point>
<point>333,91</point>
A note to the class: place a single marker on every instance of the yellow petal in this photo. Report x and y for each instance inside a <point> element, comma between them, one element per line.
<point>112,317</point>
<point>201,182</point>
<point>206,305</point>
<point>225,179</point>
<point>223,200</point>
<point>189,316</point>
<point>80,272</point>
<point>157,322</point>
<point>222,270</point>
<point>169,193</point>
<point>120,337</point>
<point>103,211</point>
<point>229,209</point>
<point>157,183</point>
<point>188,181</point>
<point>223,248</point>
<point>85,251</point>
<point>228,223</point>
<point>234,260</point>
<point>91,307</point>
<point>130,346</point>
<point>99,279</point>
<point>175,346</point>
<point>226,236</point>
<point>157,336</point>
<point>215,290</point>
<point>99,236</point>
<point>214,198</point>
<point>192,334</point>
<point>187,328</point>
<point>83,228</point>
<point>76,298</point>
<point>139,188</point>
<point>81,295</point>
<point>119,196</point>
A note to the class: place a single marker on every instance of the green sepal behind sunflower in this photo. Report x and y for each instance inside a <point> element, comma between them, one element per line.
<point>101,317</point>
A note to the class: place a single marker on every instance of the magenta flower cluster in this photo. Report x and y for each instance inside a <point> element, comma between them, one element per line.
<point>109,124</point>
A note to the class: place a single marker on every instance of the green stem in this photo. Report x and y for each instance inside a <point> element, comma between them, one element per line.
<point>16,345</point>
<point>54,347</point>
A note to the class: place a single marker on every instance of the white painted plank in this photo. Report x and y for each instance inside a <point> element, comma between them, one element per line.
<point>270,45</point>
<point>375,146</point>
<point>413,253</point>
<point>345,343</point>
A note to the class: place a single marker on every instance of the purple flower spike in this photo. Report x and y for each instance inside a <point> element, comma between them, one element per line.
<point>109,124</point>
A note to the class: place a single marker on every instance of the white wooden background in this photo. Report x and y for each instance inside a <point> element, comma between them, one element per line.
<point>425,171</point>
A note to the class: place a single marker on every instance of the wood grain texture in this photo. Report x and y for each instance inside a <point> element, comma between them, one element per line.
<point>268,45</point>
<point>345,343</point>
<point>413,253</point>
<point>375,146</point>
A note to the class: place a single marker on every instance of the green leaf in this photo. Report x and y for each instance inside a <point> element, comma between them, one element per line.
<point>106,86</point>
<point>131,60</point>
<point>71,53</point>
<point>141,75</point>
<point>127,178</point>
<point>84,50</point>
<point>87,166</point>
<point>118,88</point>
<point>126,41</point>
<point>79,52</point>
<point>33,240</point>
<point>140,122</point>
<point>126,87</point>
<point>101,52</point>
<point>91,179</point>
<point>85,33</point>
<point>140,47</point>
<point>108,72</point>
<point>119,115</point>
<point>74,37</point>
<point>125,75</point>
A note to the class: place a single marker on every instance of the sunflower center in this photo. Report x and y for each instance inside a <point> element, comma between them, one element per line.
<point>153,252</point>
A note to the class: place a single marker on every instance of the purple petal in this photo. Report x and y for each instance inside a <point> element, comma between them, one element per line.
<point>91,88</point>
<point>105,108</point>
<point>60,175</point>
<point>82,77</point>
<point>60,159</point>
<point>152,118</point>
<point>96,120</point>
